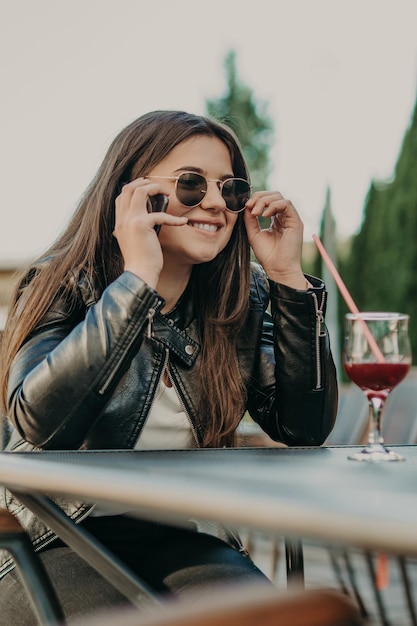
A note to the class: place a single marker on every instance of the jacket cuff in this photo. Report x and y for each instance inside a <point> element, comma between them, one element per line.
<point>139,288</point>
<point>278,290</point>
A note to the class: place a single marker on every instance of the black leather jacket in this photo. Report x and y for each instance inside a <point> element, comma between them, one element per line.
<point>87,376</point>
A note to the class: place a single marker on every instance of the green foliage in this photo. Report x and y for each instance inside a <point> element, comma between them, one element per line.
<point>381,268</point>
<point>248,117</point>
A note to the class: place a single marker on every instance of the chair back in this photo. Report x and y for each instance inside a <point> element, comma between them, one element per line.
<point>351,419</point>
<point>245,606</point>
<point>399,419</point>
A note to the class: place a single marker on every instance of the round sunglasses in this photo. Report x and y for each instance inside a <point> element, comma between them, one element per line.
<point>190,189</point>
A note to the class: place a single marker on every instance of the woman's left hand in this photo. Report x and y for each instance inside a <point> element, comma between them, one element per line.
<point>279,247</point>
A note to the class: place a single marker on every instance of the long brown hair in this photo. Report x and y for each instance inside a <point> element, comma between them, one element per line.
<point>221,287</point>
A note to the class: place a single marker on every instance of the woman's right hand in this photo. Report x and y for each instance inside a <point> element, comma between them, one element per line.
<point>135,232</point>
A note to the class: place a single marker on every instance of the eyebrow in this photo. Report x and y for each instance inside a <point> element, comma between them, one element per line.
<point>198,170</point>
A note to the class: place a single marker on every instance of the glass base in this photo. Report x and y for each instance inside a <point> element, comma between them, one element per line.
<point>376,453</point>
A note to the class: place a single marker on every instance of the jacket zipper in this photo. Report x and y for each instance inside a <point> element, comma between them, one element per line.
<point>164,365</point>
<point>320,332</point>
<point>236,541</point>
<point>193,430</point>
<point>150,315</point>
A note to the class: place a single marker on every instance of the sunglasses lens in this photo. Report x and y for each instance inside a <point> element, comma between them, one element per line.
<point>191,188</point>
<point>236,192</point>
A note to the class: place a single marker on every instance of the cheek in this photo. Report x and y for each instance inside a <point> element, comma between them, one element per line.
<point>167,236</point>
<point>174,207</point>
<point>231,222</point>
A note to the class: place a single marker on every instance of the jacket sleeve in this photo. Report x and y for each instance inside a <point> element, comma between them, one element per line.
<point>294,393</point>
<point>62,376</point>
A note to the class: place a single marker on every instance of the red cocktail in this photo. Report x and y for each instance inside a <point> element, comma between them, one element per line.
<point>377,378</point>
<point>376,357</point>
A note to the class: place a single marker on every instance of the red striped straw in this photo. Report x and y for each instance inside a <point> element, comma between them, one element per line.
<point>382,567</point>
<point>348,299</point>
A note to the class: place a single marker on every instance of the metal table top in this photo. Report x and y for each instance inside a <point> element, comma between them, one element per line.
<point>301,492</point>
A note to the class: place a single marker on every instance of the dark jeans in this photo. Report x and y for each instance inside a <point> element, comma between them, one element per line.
<point>170,560</point>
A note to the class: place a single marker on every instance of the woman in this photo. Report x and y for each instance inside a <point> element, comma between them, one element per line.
<point>150,329</point>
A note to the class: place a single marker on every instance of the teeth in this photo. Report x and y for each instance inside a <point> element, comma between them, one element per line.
<point>212,228</point>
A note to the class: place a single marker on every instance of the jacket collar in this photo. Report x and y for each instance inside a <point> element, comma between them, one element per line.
<point>174,329</point>
<point>177,329</point>
<point>177,340</point>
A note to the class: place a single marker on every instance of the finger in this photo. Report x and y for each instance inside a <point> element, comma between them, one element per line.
<point>261,199</point>
<point>138,192</point>
<point>269,205</point>
<point>145,222</point>
<point>160,219</point>
<point>285,212</point>
<point>251,225</point>
<point>279,222</point>
<point>276,205</point>
<point>127,188</point>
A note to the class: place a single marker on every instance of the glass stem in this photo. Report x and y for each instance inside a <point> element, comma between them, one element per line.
<point>375,412</point>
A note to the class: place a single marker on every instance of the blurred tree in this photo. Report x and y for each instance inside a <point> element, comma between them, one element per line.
<point>381,268</point>
<point>328,237</point>
<point>248,117</point>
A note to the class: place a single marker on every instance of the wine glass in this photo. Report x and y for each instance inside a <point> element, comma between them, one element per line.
<point>376,357</point>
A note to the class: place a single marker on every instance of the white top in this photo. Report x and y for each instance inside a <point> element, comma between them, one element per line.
<point>167,428</point>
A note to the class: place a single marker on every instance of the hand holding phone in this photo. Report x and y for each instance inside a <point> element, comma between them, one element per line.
<point>157,204</point>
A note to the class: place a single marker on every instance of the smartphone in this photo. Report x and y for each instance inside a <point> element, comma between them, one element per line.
<point>157,203</point>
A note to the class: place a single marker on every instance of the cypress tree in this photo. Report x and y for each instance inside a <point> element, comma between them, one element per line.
<point>249,119</point>
<point>381,268</point>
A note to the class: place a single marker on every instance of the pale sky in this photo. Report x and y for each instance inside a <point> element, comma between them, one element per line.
<point>339,77</point>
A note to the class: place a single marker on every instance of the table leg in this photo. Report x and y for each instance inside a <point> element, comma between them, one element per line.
<point>31,570</point>
<point>295,561</point>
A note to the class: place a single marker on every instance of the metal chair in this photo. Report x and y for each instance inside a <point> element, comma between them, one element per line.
<point>34,577</point>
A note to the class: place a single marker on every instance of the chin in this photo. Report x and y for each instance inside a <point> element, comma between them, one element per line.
<point>206,258</point>
<point>193,253</point>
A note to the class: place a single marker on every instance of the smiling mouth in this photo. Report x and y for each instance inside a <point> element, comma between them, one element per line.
<point>211,228</point>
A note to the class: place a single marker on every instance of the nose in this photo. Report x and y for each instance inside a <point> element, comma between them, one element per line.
<point>213,199</point>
